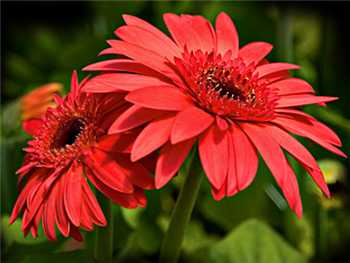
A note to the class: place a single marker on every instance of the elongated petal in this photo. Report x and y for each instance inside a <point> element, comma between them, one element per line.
<point>72,193</point>
<point>118,82</point>
<point>160,98</point>
<point>148,40</point>
<point>194,32</point>
<point>307,130</point>
<point>125,65</point>
<point>152,137</point>
<point>292,86</point>
<point>254,52</point>
<point>300,100</point>
<point>213,152</point>
<point>277,163</point>
<point>119,143</point>
<point>170,160</point>
<point>270,68</point>
<point>243,161</point>
<point>32,126</point>
<point>134,117</point>
<point>61,216</point>
<point>135,21</point>
<point>49,214</point>
<point>144,56</point>
<point>189,123</point>
<point>226,35</point>
<point>108,171</point>
<point>300,153</point>
<point>93,206</point>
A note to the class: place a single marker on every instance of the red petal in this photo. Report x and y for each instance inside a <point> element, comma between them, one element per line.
<point>152,137</point>
<point>170,160</point>
<point>92,205</point>
<point>144,56</point>
<point>124,200</point>
<point>72,193</point>
<point>49,214</point>
<point>226,35</point>
<point>274,158</point>
<point>86,221</point>
<point>189,123</point>
<point>125,65</point>
<point>254,52</point>
<point>32,126</point>
<point>213,152</point>
<point>117,82</point>
<point>291,86</point>
<point>74,233</point>
<point>219,194</point>
<point>135,21</point>
<point>307,130</point>
<point>61,215</point>
<point>300,153</point>
<point>270,68</point>
<point>243,162</point>
<point>133,117</point>
<point>119,143</point>
<point>160,98</point>
<point>194,32</point>
<point>108,171</point>
<point>136,173</point>
<point>300,100</point>
<point>148,40</point>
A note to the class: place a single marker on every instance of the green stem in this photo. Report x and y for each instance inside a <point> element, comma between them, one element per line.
<point>171,246</point>
<point>104,235</point>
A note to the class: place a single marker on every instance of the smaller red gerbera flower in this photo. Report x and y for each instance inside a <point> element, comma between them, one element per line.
<point>199,85</point>
<point>70,148</point>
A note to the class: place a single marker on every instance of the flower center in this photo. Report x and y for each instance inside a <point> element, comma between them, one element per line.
<point>67,134</point>
<point>226,87</point>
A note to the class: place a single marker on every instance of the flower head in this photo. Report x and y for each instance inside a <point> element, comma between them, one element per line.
<point>199,85</point>
<point>71,148</point>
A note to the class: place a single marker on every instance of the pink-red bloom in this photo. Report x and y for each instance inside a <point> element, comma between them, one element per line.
<point>71,149</point>
<point>199,85</point>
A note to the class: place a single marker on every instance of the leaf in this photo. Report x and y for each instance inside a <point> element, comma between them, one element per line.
<point>254,242</point>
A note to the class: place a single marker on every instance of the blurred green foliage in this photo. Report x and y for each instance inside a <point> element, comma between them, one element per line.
<point>253,226</point>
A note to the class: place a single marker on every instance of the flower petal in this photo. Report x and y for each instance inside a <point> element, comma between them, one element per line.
<point>119,82</point>
<point>226,35</point>
<point>300,100</point>
<point>291,86</point>
<point>148,40</point>
<point>307,130</point>
<point>160,98</point>
<point>108,171</point>
<point>243,162</point>
<point>194,32</point>
<point>190,123</point>
<point>254,52</point>
<point>277,163</point>
<point>152,137</point>
<point>170,160</point>
<point>300,153</point>
<point>213,152</point>
<point>134,117</point>
<point>72,193</point>
<point>271,68</point>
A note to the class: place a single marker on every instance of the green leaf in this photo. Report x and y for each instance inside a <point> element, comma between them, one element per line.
<point>254,242</point>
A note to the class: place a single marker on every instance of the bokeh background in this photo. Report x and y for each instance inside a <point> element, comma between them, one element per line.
<point>43,42</point>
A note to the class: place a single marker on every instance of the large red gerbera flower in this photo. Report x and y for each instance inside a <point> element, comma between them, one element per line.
<point>70,147</point>
<point>200,85</point>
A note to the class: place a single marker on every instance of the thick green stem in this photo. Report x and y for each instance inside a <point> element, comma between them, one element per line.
<point>181,215</point>
<point>104,235</point>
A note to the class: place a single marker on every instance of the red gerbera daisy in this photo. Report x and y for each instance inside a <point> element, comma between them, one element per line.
<point>200,85</point>
<point>70,147</point>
